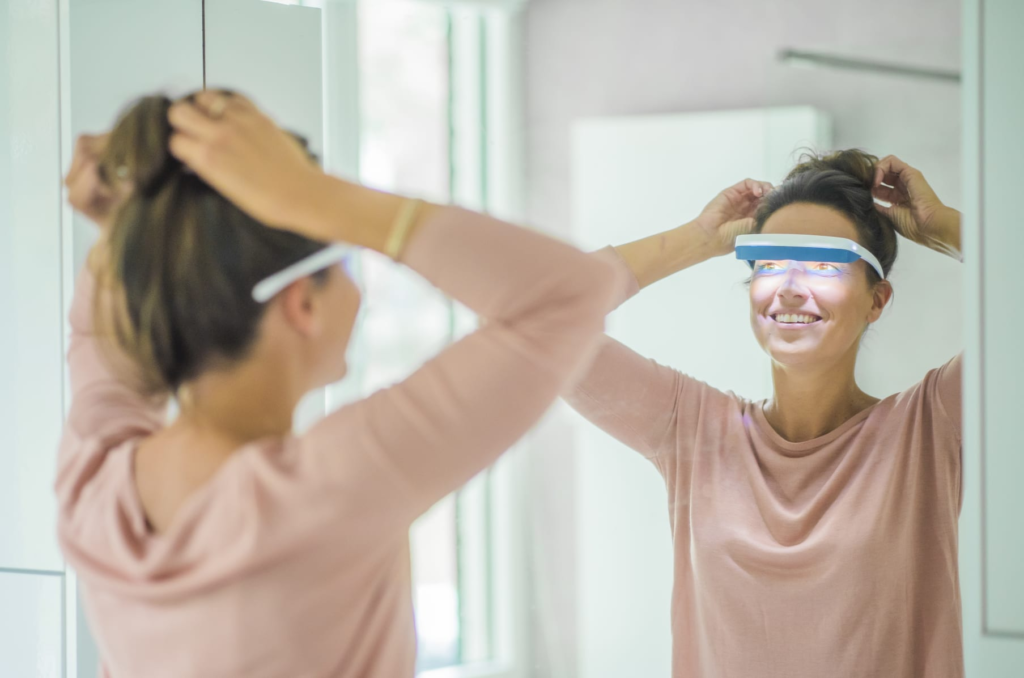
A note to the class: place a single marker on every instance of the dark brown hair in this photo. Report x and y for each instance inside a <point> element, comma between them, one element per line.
<point>182,260</point>
<point>841,180</point>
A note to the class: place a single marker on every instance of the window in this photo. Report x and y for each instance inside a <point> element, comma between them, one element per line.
<point>423,125</point>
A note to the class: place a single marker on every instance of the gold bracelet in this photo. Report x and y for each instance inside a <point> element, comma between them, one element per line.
<point>401,228</point>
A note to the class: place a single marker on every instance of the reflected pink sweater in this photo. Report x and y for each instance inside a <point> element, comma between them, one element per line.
<point>293,560</point>
<point>831,558</point>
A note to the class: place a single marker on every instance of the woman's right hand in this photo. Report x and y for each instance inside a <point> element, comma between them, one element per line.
<point>731,214</point>
<point>243,154</point>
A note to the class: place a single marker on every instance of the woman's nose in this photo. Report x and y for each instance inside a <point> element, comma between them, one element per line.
<point>793,283</point>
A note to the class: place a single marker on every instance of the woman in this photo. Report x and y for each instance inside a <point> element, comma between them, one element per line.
<point>815,532</point>
<point>220,544</point>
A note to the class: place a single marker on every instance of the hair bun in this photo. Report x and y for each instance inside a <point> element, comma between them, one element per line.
<point>853,162</point>
<point>140,147</point>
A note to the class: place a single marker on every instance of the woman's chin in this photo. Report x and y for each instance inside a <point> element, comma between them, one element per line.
<point>793,353</point>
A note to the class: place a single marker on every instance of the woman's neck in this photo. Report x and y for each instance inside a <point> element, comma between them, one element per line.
<point>243,405</point>
<point>809,402</point>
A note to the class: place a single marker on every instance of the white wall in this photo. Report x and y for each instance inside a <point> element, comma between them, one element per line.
<point>621,57</point>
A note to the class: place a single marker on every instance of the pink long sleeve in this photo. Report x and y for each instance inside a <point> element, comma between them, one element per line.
<point>293,559</point>
<point>105,409</point>
<point>649,407</point>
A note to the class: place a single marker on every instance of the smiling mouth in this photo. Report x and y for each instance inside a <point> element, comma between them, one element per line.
<point>795,319</point>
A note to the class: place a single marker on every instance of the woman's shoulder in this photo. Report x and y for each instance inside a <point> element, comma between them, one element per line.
<point>936,400</point>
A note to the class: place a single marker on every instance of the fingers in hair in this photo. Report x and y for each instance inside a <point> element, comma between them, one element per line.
<point>888,194</point>
<point>188,150</point>
<point>188,119</point>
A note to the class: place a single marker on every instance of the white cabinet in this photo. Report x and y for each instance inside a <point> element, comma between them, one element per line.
<point>31,625</point>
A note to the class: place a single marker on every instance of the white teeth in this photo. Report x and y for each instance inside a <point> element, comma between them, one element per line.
<point>791,318</point>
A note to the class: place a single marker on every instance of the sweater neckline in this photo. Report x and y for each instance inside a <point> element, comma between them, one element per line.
<point>806,446</point>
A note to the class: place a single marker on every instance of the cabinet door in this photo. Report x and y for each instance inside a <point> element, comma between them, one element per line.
<point>30,284</point>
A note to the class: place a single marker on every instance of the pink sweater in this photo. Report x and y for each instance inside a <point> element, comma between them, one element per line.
<point>294,559</point>
<point>835,557</point>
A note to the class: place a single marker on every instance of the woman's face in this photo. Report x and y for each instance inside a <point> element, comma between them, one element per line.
<point>807,313</point>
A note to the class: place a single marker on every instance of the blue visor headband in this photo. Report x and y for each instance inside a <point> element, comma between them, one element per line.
<point>787,247</point>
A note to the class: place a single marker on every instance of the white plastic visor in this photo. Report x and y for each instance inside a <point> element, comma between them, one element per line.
<point>267,288</point>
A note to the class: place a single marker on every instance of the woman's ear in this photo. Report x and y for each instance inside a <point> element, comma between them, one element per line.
<point>881,295</point>
<point>299,304</point>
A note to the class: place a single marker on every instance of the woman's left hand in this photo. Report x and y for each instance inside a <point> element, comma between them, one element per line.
<point>92,196</point>
<point>915,209</point>
<point>87,192</point>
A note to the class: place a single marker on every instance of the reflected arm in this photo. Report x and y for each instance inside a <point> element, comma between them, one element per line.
<point>661,255</point>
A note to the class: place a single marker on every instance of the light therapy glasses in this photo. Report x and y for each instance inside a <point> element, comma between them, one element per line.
<point>787,247</point>
<point>266,289</point>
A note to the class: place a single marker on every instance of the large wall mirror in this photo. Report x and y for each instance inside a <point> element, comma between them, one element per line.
<point>599,123</point>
